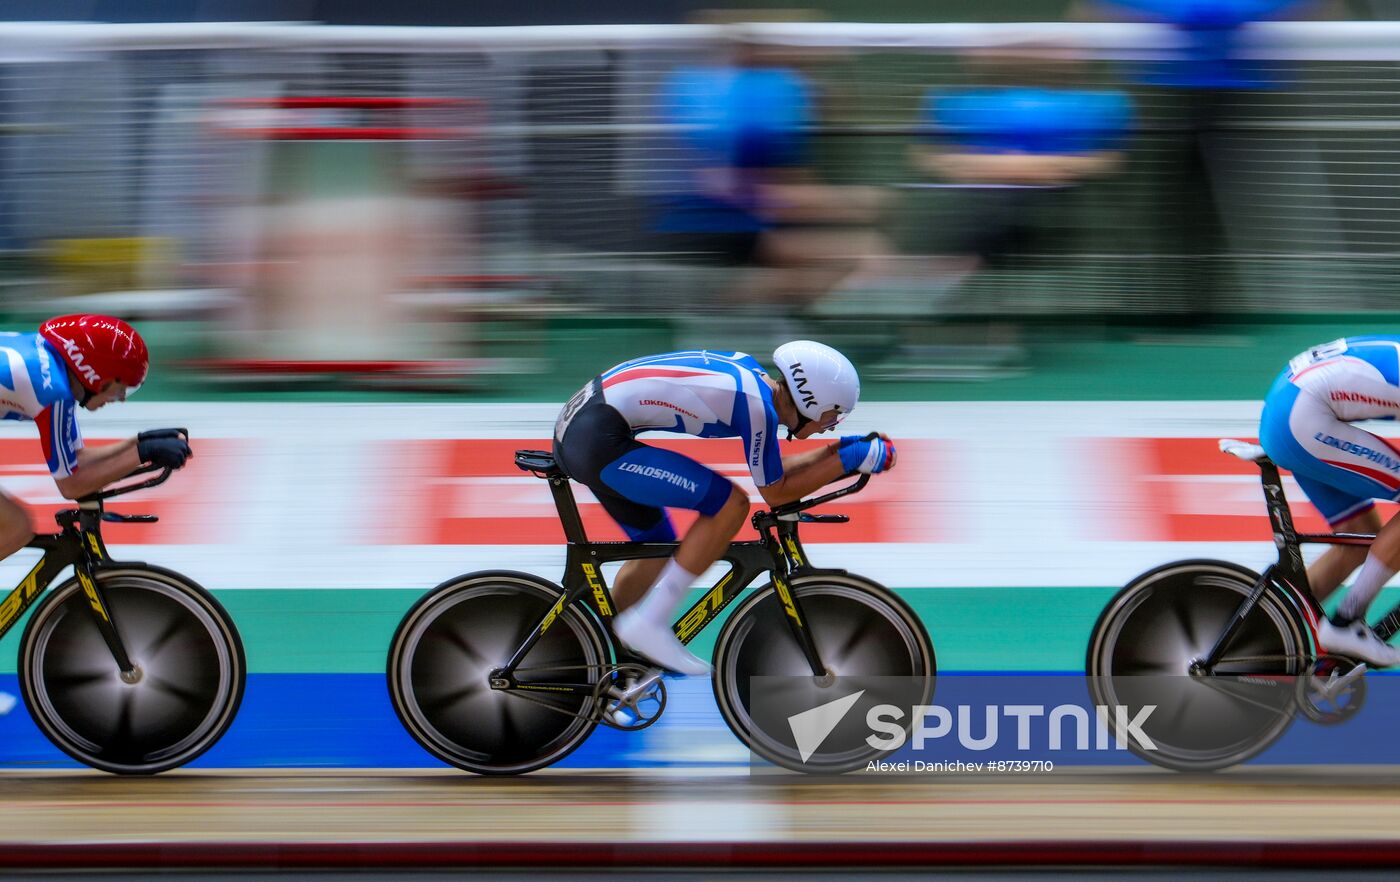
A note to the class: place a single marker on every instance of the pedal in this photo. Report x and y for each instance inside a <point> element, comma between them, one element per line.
<point>1338,682</point>
<point>1333,691</point>
<point>631,697</point>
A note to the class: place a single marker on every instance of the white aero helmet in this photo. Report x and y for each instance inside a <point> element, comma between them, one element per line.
<point>819,378</point>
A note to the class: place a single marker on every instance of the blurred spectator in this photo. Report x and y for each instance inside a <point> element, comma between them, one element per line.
<point>1014,144</point>
<point>745,194</point>
<point>1204,85</point>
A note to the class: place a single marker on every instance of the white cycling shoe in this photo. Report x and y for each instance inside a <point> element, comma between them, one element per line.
<point>1356,640</point>
<point>658,644</point>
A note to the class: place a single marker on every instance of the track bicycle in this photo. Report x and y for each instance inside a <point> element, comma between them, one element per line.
<point>126,667</point>
<point>502,672</point>
<point>1229,657</point>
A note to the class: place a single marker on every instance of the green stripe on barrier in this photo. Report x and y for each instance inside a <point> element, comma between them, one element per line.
<point>295,631</point>
<point>1031,629</point>
<point>292,631</point>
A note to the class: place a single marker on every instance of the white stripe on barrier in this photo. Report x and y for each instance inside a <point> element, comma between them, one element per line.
<point>1018,495</point>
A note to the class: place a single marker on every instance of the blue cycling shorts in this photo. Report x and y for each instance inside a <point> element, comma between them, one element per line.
<point>634,482</point>
<point>1341,468</point>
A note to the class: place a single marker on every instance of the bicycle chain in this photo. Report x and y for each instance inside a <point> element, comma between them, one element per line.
<point>595,703</point>
<point>1310,659</point>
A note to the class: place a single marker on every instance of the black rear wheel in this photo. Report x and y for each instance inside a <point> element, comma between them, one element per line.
<point>448,644</point>
<point>1142,650</point>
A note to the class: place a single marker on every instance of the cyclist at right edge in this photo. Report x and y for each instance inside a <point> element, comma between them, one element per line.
<point>711,395</point>
<point>1306,428</point>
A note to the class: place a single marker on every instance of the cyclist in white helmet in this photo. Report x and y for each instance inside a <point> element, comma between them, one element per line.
<point>710,395</point>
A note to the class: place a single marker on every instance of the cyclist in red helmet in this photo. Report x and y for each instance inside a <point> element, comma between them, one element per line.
<point>76,361</point>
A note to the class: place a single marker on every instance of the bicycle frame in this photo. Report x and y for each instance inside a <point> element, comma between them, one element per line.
<point>779,551</point>
<point>1289,574</point>
<point>78,544</point>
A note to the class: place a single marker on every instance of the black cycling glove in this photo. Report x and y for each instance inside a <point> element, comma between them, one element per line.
<point>160,433</point>
<point>169,451</point>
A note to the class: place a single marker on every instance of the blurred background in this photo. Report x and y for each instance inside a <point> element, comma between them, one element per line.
<point>374,247</point>
<point>435,209</point>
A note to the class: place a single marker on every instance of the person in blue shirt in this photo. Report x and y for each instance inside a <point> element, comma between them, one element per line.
<point>740,192</point>
<point>1203,86</point>
<point>1012,146</point>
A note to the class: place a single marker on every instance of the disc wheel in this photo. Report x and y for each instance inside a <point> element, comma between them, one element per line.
<point>185,690</point>
<point>448,644</point>
<point>860,629</point>
<point>1142,653</point>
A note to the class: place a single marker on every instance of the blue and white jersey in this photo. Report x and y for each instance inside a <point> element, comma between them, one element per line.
<point>1358,377</point>
<point>702,393</point>
<point>34,386</point>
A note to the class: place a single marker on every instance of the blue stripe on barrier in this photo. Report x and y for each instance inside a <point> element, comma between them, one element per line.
<point>296,721</point>
<point>346,721</point>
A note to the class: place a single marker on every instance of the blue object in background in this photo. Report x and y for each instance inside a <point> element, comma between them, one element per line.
<point>1208,57</point>
<point>737,119</point>
<point>740,117</point>
<point>1029,119</point>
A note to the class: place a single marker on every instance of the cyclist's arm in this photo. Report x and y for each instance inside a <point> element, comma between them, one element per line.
<point>99,466</point>
<point>804,473</point>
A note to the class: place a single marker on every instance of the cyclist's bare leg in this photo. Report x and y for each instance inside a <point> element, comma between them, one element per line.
<point>708,537</point>
<point>1387,544</point>
<point>1330,570</point>
<point>1381,563</point>
<point>702,546</point>
<point>633,579</point>
<point>646,627</point>
<point>15,527</point>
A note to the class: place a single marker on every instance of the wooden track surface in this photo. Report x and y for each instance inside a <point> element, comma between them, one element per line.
<point>693,805</point>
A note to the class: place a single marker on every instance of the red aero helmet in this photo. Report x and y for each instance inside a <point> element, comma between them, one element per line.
<point>98,348</point>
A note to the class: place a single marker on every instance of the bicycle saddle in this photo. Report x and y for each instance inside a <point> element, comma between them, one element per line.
<point>541,462</point>
<point>1243,449</point>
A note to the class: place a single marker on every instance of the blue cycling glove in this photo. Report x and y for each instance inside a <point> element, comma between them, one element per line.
<point>868,457</point>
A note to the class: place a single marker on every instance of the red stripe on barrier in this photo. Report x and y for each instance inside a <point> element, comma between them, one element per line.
<point>1176,490</point>
<point>193,507</point>
<point>347,133</point>
<point>469,492</point>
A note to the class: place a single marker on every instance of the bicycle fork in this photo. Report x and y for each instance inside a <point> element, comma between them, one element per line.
<point>83,567</point>
<point>789,552</point>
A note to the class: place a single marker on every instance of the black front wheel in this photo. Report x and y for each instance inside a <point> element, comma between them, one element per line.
<point>861,630</point>
<point>180,699</point>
